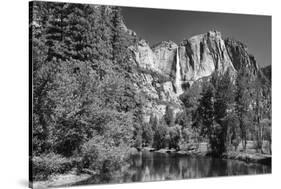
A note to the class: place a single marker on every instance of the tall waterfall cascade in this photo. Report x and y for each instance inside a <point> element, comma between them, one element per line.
<point>178,82</point>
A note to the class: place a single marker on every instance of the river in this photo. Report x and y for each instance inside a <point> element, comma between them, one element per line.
<point>156,166</point>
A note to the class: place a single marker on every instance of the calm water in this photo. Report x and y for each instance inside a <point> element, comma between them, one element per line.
<point>155,166</point>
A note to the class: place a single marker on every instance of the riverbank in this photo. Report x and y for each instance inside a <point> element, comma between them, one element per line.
<point>248,157</point>
<point>61,180</point>
<point>87,176</point>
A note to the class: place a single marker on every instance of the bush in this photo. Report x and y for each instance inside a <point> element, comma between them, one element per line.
<point>217,140</point>
<point>169,116</point>
<point>174,136</point>
<point>103,157</point>
<point>160,132</point>
<point>147,134</point>
<point>138,141</point>
<point>187,135</point>
<point>47,164</point>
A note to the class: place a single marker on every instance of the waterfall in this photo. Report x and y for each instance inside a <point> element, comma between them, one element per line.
<point>178,75</point>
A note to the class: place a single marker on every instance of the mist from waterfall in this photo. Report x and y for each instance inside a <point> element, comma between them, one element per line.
<point>178,75</point>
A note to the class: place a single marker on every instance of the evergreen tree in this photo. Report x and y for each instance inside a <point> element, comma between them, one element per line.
<point>223,102</point>
<point>160,133</point>
<point>242,103</point>
<point>205,111</point>
<point>261,109</point>
<point>147,134</point>
<point>55,31</point>
<point>79,94</point>
<point>169,116</point>
<point>190,102</point>
<point>121,40</point>
<point>43,72</point>
<point>213,111</point>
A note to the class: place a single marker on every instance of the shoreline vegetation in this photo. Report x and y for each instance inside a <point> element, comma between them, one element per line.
<point>248,157</point>
<point>74,178</point>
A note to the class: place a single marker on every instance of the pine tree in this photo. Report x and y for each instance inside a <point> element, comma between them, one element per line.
<point>119,41</point>
<point>205,111</point>
<point>169,116</point>
<point>204,116</point>
<point>242,103</point>
<point>55,31</point>
<point>190,102</point>
<point>160,133</point>
<point>212,114</point>
<point>83,97</point>
<point>261,109</point>
<point>42,76</point>
<point>223,102</point>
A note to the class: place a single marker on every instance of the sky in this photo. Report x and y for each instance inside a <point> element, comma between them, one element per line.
<point>155,25</point>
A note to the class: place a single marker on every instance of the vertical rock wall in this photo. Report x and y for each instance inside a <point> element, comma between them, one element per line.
<point>166,68</point>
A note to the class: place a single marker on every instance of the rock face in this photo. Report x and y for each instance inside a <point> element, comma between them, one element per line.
<point>239,55</point>
<point>155,77</point>
<point>267,72</point>
<point>201,55</point>
<point>164,71</point>
<point>165,53</point>
<point>159,59</point>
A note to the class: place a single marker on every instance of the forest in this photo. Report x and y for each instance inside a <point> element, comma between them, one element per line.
<point>87,114</point>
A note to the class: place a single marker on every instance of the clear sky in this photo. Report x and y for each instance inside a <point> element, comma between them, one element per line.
<point>155,25</point>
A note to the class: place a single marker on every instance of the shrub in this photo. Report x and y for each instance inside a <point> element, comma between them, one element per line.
<point>47,164</point>
<point>169,116</point>
<point>103,157</point>
<point>217,140</point>
<point>174,136</point>
<point>147,134</point>
<point>160,132</point>
<point>187,135</point>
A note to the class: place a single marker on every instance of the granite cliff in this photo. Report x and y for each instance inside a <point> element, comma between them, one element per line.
<point>167,69</point>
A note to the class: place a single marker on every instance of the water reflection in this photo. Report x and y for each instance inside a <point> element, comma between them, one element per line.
<point>154,166</point>
<point>148,166</point>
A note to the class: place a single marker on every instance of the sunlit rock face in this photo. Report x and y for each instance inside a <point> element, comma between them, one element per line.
<point>193,59</point>
<point>165,53</point>
<point>159,59</point>
<point>144,57</point>
<point>202,54</point>
<point>167,69</point>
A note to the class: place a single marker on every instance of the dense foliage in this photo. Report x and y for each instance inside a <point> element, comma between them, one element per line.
<point>84,104</point>
<point>230,111</point>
